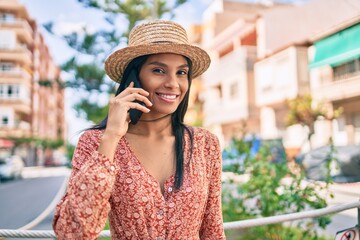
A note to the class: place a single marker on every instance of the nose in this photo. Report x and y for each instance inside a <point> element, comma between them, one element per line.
<point>172,81</point>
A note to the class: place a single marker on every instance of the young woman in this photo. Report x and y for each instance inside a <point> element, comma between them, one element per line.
<point>152,178</point>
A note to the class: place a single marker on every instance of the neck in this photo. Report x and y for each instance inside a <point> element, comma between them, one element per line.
<point>154,120</point>
<point>152,127</point>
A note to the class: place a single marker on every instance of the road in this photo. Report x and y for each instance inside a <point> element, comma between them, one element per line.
<point>23,200</point>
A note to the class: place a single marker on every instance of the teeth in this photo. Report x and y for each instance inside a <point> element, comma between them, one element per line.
<point>168,96</point>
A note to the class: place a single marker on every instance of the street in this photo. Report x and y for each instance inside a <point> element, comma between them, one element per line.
<point>23,200</point>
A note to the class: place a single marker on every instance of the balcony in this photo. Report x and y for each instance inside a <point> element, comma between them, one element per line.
<point>281,76</point>
<point>338,90</point>
<point>23,30</point>
<point>20,129</point>
<point>18,54</point>
<point>20,105</point>
<point>223,112</point>
<point>15,75</point>
<point>236,62</point>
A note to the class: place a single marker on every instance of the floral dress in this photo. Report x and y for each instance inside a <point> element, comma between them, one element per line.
<point>132,200</point>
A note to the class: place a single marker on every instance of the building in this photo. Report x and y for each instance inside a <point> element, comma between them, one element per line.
<point>263,56</point>
<point>230,36</point>
<point>335,79</point>
<point>31,92</point>
<point>282,68</point>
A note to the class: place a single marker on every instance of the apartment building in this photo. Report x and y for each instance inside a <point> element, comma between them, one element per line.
<point>263,55</point>
<point>230,36</point>
<point>31,92</point>
<point>335,79</point>
<point>282,69</point>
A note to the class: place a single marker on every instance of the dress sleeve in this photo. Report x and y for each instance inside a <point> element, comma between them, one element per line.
<point>82,212</point>
<point>212,225</point>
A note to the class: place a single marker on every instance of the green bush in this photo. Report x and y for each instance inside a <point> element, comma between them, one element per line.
<point>272,189</point>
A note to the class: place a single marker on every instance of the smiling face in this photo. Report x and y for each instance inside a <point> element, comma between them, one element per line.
<point>165,77</point>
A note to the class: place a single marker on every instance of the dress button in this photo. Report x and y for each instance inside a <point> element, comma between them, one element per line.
<point>161,212</point>
<point>170,189</point>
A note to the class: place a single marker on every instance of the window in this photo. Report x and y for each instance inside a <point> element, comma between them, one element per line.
<point>347,70</point>
<point>6,67</point>
<point>4,120</point>
<point>234,90</point>
<point>2,91</point>
<point>356,120</point>
<point>7,17</point>
<point>341,123</point>
<point>9,91</point>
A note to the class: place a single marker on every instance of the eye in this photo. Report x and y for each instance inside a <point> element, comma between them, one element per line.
<point>182,72</point>
<point>158,70</point>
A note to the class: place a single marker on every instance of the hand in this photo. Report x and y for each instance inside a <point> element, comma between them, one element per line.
<point>119,106</point>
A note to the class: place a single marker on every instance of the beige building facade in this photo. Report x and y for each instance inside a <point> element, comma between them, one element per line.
<point>230,37</point>
<point>335,79</point>
<point>31,91</point>
<point>283,70</point>
<point>262,56</point>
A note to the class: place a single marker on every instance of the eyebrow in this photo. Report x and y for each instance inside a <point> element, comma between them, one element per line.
<point>164,65</point>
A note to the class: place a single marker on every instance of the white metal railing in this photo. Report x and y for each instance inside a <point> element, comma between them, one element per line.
<point>227,225</point>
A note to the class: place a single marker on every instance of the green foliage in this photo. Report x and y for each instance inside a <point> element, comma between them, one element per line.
<point>272,189</point>
<point>90,111</point>
<point>45,83</point>
<point>39,142</point>
<point>70,152</point>
<point>90,76</point>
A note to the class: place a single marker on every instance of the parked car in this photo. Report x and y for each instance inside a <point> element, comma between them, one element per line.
<point>344,168</point>
<point>11,167</point>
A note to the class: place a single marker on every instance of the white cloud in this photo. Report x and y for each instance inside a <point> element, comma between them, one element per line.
<point>63,28</point>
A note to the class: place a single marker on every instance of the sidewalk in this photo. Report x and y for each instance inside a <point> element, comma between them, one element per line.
<point>36,172</point>
<point>351,189</point>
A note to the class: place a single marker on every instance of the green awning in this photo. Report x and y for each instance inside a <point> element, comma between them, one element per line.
<point>338,48</point>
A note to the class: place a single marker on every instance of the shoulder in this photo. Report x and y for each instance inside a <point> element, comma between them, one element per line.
<point>91,136</point>
<point>204,140</point>
<point>202,134</point>
<point>88,143</point>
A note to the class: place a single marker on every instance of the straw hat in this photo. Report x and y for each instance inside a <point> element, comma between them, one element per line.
<point>159,36</point>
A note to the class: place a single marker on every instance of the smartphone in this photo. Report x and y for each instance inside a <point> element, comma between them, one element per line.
<point>134,113</point>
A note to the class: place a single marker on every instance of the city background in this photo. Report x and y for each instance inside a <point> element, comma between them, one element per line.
<point>283,72</point>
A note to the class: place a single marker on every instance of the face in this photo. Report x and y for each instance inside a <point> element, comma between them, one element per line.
<point>165,77</point>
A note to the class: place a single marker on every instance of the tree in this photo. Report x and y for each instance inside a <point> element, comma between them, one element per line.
<point>88,76</point>
<point>304,111</point>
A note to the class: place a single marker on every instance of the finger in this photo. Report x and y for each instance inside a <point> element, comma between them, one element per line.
<point>128,119</point>
<point>141,98</point>
<point>136,90</point>
<point>134,105</point>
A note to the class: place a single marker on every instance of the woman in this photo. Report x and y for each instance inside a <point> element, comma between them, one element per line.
<point>156,179</point>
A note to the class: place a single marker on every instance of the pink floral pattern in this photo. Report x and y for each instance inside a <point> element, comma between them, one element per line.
<point>126,194</point>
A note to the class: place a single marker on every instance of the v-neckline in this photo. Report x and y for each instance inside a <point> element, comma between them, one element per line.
<point>138,162</point>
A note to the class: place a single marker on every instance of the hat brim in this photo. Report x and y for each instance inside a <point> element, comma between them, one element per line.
<point>116,63</point>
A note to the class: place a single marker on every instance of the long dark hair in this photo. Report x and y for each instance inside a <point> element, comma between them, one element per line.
<point>177,119</point>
